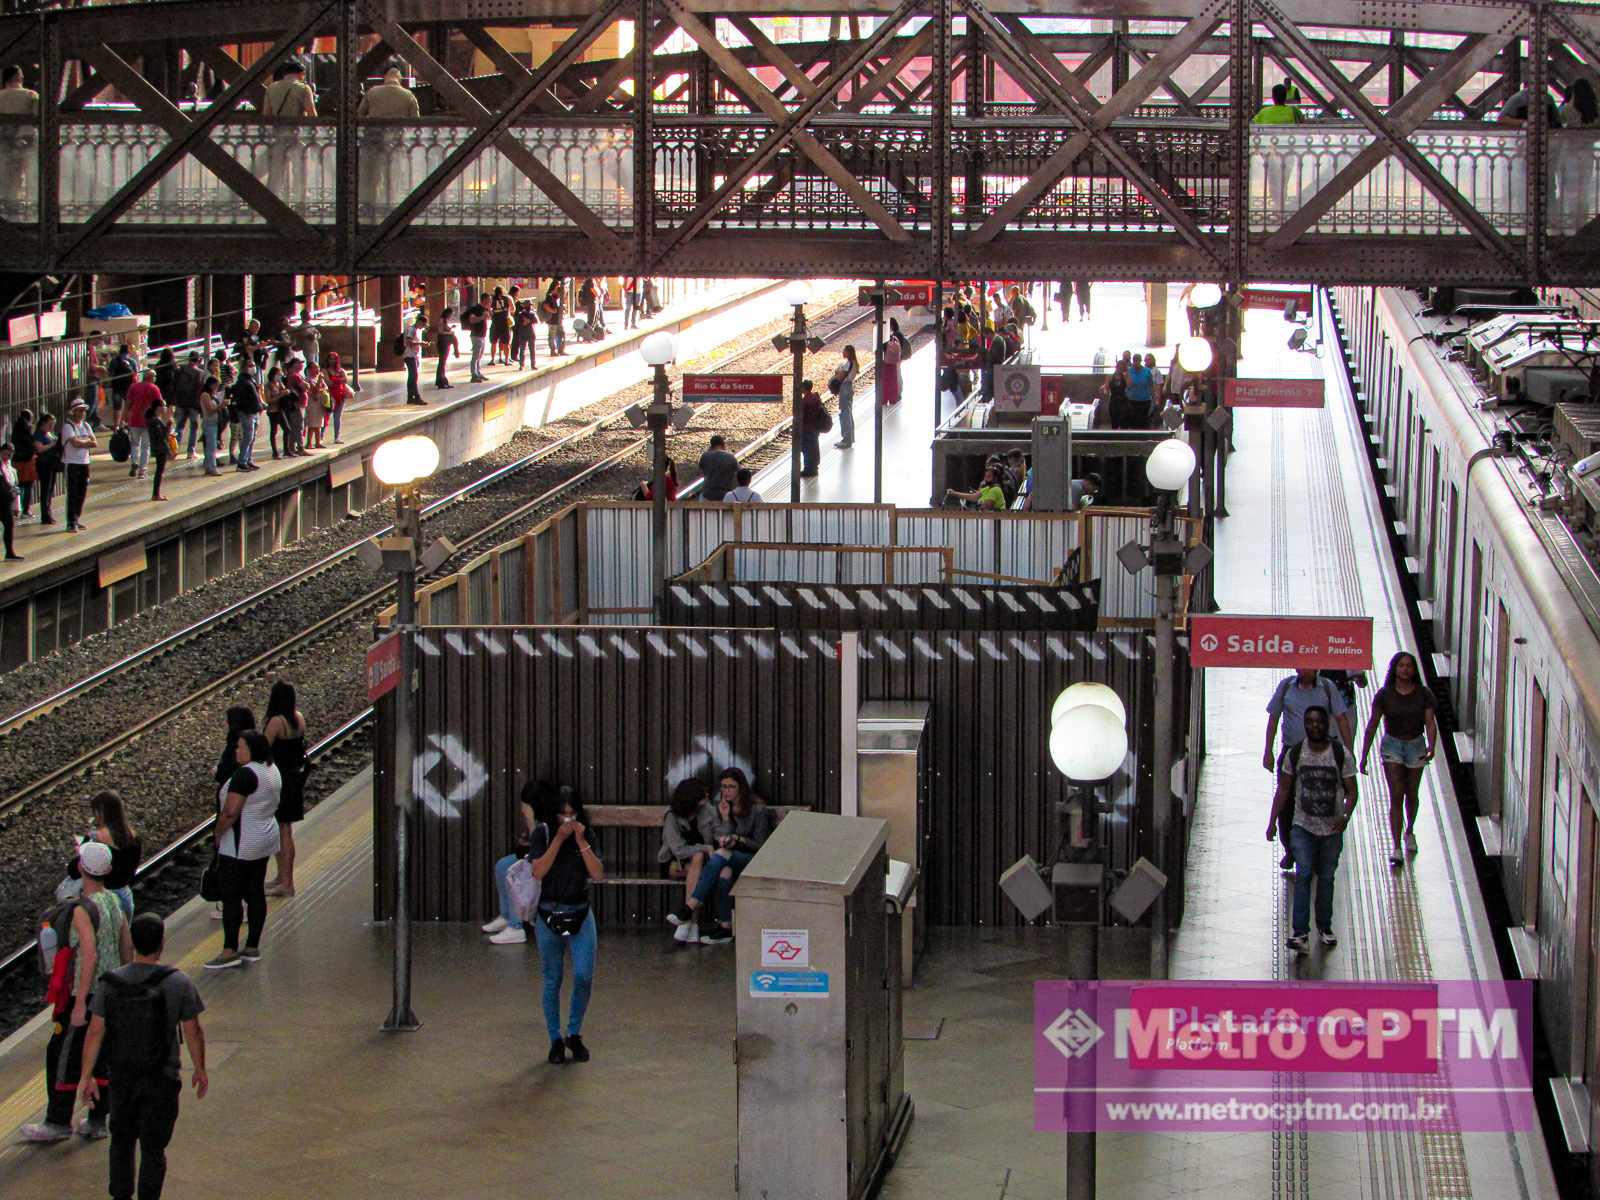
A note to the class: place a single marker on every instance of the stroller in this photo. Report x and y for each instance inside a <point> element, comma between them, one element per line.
<point>587,330</point>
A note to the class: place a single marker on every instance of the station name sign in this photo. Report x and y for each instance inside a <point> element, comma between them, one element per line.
<point>1272,393</point>
<point>913,294</point>
<point>383,667</point>
<point>733,389</point>
<point>1266,641</point>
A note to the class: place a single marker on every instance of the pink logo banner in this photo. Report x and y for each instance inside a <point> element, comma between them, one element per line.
<point>1249,1055</point>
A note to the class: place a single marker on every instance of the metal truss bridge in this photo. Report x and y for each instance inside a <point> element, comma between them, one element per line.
<point>919,139</point>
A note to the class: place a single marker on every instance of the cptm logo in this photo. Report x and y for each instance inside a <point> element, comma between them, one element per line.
<point>1208,642</point>
<point>1074,1033</point>
<point>784,949</point>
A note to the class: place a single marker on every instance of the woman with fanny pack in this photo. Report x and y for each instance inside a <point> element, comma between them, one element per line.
<point>565,862</point>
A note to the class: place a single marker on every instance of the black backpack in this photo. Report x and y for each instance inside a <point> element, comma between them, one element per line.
<point>121,446</point>
<point>400,344</point>
<point>139,1030</point>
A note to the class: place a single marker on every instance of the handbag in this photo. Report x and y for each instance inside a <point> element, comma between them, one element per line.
<point>523,887</point>
<point>211,881</point>
<point>121,446</point>
<point>172,445</point>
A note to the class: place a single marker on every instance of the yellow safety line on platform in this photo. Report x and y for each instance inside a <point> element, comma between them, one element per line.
<point>29,1098</point>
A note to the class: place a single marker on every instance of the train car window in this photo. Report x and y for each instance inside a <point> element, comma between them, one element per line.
<point>1402,465</point>
<point>1560,832</point>
<point>1589,935</point>
<point>1430,525</point>
<point>1477,608</point>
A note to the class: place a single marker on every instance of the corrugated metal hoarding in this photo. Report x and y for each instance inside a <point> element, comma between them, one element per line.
<point>622,714</point>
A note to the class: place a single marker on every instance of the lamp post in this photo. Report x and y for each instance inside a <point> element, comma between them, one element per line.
<point>1088,744</point>
<point>796,294</point>
<point>657,350</point>
<point>403,463</point>
<point>1169,468</point>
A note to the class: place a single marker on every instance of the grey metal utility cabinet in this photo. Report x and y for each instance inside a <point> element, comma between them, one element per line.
<point>821,1100</point>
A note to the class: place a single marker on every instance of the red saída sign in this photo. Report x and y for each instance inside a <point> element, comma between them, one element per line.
<point>1272,393</point>
<point>733,389</point>
<point>1245,641</point>
<point>383,666</point>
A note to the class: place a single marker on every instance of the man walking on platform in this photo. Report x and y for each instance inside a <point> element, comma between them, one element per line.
<point>142,1006</point>
<point>1312,778</point>
<point>414,337</point>
<point>721,470</point>
<point>1287,709</point>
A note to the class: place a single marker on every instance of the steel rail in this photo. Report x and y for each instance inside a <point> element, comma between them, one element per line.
<point>164,857</point>
<point>290,582</point>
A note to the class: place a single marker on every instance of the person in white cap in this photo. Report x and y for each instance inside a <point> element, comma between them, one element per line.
<point>77,442</point>
<point>102,943</point>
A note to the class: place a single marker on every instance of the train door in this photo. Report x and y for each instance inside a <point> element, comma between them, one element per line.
<point>1497,703</point>
<point>1428,523</point>
<point>1588,973</point>
<point>1452,505</point>
<point>1475,607</point>
<point>1402,474</point>
<point>1533,846</point>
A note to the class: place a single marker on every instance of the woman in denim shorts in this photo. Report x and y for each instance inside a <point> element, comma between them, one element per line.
<point>1407,710</point>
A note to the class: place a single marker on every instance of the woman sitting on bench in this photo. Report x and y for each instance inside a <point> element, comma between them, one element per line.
<point>740,825</point>
<point>686,846</point>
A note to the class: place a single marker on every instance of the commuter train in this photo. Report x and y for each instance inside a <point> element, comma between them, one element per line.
<point>1485,466</point>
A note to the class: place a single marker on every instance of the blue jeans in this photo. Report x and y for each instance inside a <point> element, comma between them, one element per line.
<point>1319,856</point>
<point>190,418</point>
<point>247,439</point>
<point>478,344</point>
<point>847,416</point>
<point>124,897</point>
<point>501,868</point>
<point>209,433</point>
<point>711,881</point>
<point>551,951</point>
<point>139,451</point>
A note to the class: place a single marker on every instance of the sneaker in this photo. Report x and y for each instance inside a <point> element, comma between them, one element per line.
<point>1397,857</point>
<point>558,1053</point>
<point>251,954</point>
<point>1286,864</point>
<point>717,935</point>
<point>496,925</point>
<point>228,958</point>
<point>1327,938</point>
<point>1299,944</point>
<point>510,937</point>
<point>92,1130</point>
<point>45,1132</point>
<point>580,1052</point>
<point>686,934</point>
<point>682,915</point>
<point>1411,843</point>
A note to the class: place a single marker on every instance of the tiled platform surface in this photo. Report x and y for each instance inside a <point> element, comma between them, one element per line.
<point>119,507</point>
<point>315,1102</point>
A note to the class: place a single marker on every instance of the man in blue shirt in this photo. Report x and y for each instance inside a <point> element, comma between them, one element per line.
<point>1287,709</point>
<point>1140,389</point>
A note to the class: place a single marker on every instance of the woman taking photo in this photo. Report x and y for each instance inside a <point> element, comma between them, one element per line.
<point>1406,709</point>
<point>565,862</point>
<point>736,831</point>
<point>247,836</point>
<point>286,734</point>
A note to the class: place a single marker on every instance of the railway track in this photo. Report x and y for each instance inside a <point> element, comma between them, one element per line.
<point>347,625</point>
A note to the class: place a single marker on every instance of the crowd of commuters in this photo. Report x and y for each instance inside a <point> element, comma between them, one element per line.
<point>1310,748</point>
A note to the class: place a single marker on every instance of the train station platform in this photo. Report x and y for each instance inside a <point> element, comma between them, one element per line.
<point>309,1099</point>
<point>120,507</point>
<point>1116,323</point>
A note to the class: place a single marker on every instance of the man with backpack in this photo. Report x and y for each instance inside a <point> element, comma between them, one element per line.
<point>1287,709</point>
<point>138,1012</point>
<point>81,940</point>
<point>1315,796</point>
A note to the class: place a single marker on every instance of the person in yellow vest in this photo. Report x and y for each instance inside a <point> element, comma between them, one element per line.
<point>1280,111</point>
<point>1291,94</point>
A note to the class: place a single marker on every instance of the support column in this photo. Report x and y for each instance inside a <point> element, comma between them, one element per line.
<point>391,296</point>
<point>1155,325</point>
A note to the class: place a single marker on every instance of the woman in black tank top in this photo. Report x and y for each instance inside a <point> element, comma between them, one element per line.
<point>286,732</point>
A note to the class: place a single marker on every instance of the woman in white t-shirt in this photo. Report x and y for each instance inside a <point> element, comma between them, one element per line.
<point>247,838</point>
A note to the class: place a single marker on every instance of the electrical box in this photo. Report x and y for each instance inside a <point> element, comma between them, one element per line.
<point>1052,464</point>
<point>821,1100</point>
<point>892,783</point>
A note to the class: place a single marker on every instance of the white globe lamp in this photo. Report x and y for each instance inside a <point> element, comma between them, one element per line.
<point>402,461</point>
<point>797,292</point>
<point>1088,744</point>
<point>1169,466</point>
<point>1195,355</point>
<point>1088,693</point>
<point>1205,295</point>
<point>659,349</point>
